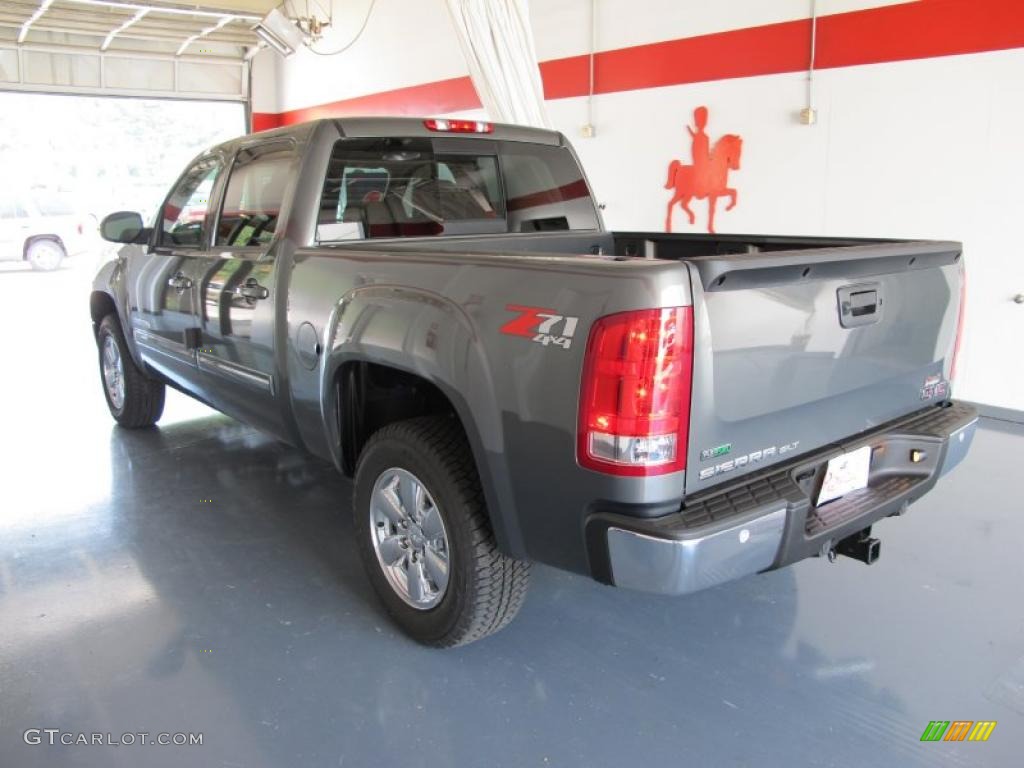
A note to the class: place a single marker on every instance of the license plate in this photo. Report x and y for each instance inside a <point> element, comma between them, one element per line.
<point>845,474</point>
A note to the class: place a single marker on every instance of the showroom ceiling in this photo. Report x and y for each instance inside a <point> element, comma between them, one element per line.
<point>223,29</point>
<point>148,48</point>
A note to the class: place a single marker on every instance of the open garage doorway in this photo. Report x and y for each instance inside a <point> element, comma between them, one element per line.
<point>65,162</point>
<point>69,160</point>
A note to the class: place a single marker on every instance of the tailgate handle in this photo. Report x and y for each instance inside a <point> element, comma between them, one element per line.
<point>863,303</point>
<point>859,305</point>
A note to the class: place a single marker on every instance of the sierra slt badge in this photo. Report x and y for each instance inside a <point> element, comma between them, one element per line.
<point>543,326</point>
<point>741,461</point>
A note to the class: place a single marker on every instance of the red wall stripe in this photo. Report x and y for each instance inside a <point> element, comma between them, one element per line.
<point>913,30</point>
<point>919,30</point>
<point>764,50</point>
<point>264,121</point>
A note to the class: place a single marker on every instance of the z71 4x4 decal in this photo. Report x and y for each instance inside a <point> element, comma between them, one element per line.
<point>543,326</point>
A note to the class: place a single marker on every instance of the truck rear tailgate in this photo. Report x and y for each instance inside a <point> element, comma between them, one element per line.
<point>796,350</point>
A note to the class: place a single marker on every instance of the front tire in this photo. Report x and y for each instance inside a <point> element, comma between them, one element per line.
<point>425,538</point>
<point>45,255</point>
<point>134,399</point>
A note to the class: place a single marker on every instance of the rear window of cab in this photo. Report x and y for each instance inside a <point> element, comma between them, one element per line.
<point>403,187</point>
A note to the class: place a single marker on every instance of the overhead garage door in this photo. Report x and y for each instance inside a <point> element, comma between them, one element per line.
<point>129,49</point>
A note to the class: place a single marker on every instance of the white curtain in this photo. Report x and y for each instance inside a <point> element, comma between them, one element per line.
<point>497,42</point>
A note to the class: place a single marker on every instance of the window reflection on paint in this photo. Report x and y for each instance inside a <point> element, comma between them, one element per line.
<point>58,443</point>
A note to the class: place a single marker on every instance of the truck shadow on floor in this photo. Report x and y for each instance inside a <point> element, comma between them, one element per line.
<point>248,545</point>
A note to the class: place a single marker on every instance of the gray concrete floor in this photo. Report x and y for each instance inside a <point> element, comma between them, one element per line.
<point>128,604</point>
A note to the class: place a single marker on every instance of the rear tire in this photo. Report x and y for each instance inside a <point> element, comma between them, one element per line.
<point>483,588</point>
<point>134,399</point>
<point>45,255</point>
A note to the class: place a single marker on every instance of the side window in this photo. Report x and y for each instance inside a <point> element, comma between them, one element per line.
<point>546,189</point>
<point>254,196</point>
<point>184,215</point>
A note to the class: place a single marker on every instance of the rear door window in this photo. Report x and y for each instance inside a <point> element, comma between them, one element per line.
<point>255,194</point>
<point>402,188</point>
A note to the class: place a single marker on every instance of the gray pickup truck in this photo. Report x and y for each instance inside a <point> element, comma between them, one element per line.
<point>435,307</point>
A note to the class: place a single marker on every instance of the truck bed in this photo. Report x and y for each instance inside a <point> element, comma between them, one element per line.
<point>778,369</point>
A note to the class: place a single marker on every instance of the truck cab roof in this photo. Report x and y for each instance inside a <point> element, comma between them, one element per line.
<point>385,127</point>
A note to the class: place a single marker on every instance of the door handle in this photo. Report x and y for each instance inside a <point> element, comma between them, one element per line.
<point>1019,298</point>
<point>250,289</point>
<point>179,282</point>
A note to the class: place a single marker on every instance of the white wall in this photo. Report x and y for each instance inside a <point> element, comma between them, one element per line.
<point>406,42</point>
<point>925,148</point>
<point>265,82</point>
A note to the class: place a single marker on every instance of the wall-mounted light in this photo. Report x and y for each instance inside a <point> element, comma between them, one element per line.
<point>280,33</point>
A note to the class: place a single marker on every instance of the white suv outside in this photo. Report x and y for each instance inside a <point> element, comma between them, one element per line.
<point>42,228</point>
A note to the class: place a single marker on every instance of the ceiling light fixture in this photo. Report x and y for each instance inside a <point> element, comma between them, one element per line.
<point>280,33</point>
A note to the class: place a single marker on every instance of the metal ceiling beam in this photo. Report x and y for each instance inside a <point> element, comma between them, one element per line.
<point>32,19</point>
<point>91,21</point>
<point>203,33</point>
<point>134,33</point>
<point>115,53</point>
<point>137,20</point>
<point>114,32</point>
<point>172,10</point>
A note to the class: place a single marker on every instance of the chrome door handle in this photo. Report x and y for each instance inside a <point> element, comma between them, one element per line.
<point>250,289</point>
<point>1019,298</point>
<point>179,282</point>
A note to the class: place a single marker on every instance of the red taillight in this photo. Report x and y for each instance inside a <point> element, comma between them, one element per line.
<point>458,126</point>
<point>635,396</point>
<point>959,323</point>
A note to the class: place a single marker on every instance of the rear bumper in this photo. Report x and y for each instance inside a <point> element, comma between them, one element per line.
<point>768,520</point>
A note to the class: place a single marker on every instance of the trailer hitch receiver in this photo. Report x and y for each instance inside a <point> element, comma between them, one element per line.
<point>860,546</point>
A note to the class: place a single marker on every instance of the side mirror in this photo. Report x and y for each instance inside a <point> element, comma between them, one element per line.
<point>123,227</point>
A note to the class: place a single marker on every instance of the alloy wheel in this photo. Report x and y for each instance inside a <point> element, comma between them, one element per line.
<point>409,538</point>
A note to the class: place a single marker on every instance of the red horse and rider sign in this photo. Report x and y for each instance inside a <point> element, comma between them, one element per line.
<point>708,176</point>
